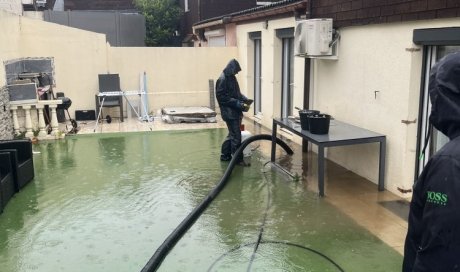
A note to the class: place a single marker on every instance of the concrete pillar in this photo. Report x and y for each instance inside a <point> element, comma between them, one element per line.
<point>29,132</point>
<point>54,120</point>
<point>41,122</point>
<point>14,111</point>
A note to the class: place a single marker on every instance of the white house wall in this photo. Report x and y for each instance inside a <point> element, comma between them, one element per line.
<point>374,84</point>
<point>271,66</point>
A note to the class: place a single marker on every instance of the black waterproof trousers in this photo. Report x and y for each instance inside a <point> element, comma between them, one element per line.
<point>233,140</point>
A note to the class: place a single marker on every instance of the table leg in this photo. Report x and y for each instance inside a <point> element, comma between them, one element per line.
<point>274,128</point>
<point>321,170</point>
<point>382,165</point>
<point>121,108</point>
<point>100,110</point>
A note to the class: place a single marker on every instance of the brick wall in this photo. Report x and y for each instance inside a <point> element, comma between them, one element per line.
<point>6,122</point>
<point>362,12</point>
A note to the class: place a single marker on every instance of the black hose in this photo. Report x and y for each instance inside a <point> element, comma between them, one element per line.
<point>264,221</point>
<point>155,261</point>
<point>261,241</point>
<point>286,243</point>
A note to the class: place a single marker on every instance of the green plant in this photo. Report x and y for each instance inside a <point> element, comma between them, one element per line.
<point>59,134</point>
<point>162,20</point>
<point>21,135</point>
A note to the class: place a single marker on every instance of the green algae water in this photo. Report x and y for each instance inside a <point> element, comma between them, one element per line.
<point>106,202</point>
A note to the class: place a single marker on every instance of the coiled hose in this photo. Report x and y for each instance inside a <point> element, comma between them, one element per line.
<point>155,261</point>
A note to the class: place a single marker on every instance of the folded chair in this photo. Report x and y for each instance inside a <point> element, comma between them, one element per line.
<point>21,159</point>
<point>109,83</point>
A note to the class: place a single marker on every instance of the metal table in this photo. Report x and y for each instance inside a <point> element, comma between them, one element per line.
<point>340,134</point>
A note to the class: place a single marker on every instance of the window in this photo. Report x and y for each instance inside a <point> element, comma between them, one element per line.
<point>216,38</point>
<point>256,67</point>
<point>286,36</point>
<point>287,77</point>
<point>437,42</point>
<point>257,76</point>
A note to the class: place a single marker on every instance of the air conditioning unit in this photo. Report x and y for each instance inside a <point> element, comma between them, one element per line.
<point>300,38</point>
<point>314,38</point>
<point>41,3</point>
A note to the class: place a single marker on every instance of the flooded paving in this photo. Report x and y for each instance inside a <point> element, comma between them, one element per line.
<point>105,202</point>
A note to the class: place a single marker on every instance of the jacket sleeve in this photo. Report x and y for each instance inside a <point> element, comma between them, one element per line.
<point>414,231</point>
<point>223,96</point>
<point>431,242</point>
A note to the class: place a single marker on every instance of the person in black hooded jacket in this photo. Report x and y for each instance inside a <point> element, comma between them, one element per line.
<point>433,235</point>
<point>232,104</point>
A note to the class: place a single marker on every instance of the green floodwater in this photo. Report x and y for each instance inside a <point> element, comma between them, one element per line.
<point>106,202</point>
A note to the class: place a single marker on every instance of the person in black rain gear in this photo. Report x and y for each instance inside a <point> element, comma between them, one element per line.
<point>433,236</point>
<point>232,104</point>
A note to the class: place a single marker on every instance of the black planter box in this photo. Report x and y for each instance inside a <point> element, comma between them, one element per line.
<point>82,115</point>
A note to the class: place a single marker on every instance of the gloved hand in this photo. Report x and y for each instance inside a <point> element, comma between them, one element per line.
<point>248,101</point>
<point>246,107</point>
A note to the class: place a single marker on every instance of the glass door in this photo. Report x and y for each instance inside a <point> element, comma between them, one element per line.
<point>438,139</point>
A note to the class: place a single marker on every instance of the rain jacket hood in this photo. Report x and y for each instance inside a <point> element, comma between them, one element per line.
<point>228,92</point>
<point>444,90</point>
<point>232,68</point>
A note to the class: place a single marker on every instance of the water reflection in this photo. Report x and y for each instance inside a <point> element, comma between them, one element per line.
<point>112,150</point>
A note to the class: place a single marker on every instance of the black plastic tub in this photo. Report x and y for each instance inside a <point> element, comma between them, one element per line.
<point>319,123</point>
<point>304,114</point>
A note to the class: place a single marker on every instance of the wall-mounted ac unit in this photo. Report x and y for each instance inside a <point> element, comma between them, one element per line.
<point>40,3</point>
<point>313,38</point>
<point>300,38</point>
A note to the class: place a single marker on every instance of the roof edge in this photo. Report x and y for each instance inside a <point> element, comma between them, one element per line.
<point>252,13</point>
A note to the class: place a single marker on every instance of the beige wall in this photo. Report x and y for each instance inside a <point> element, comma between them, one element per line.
<point>371,58</point>
<point>175,76</point>
<point>10,40</point>
<point>78,56</point>
<point>13,6</point>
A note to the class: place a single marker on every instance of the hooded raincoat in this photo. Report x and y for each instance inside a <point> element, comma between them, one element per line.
<point>230,102</point>
<point>433,236</point>
<point>228,92</point>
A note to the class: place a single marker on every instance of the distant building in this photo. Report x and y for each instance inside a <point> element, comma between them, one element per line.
<point>196,11</point>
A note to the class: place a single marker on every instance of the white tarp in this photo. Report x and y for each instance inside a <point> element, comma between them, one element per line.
<point>188,115</point>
